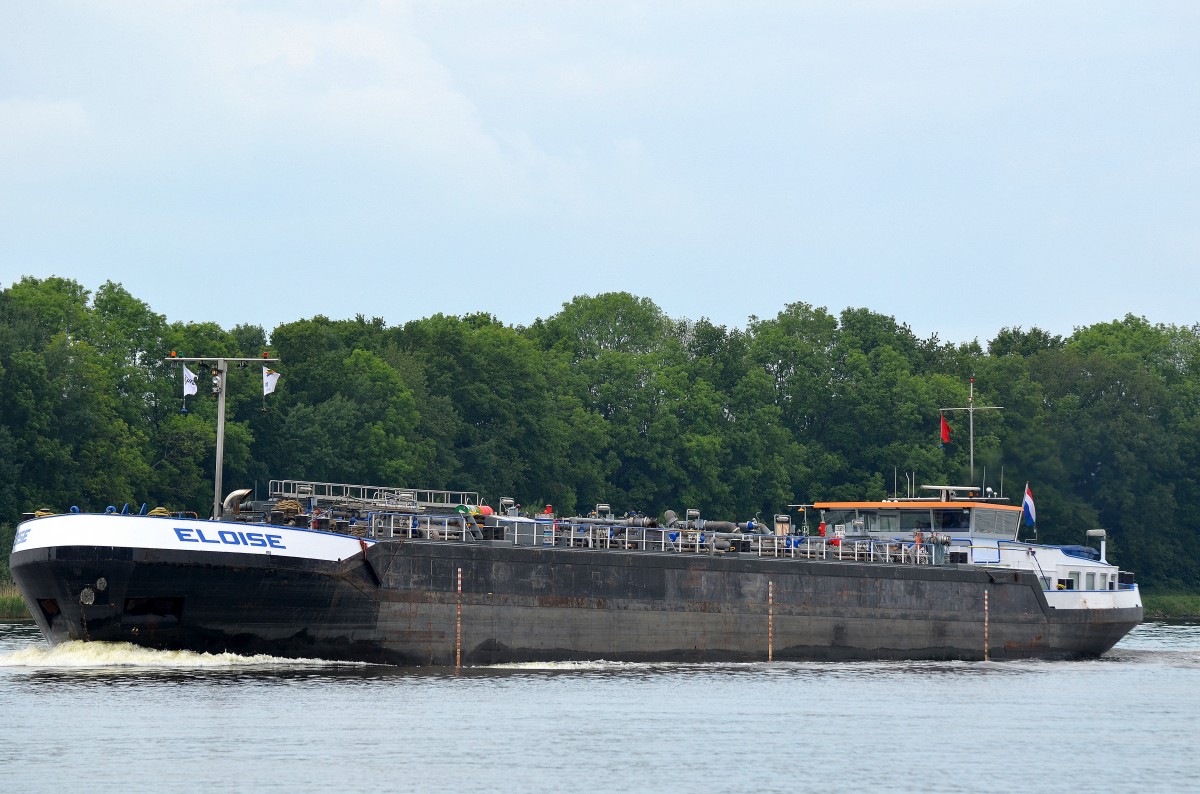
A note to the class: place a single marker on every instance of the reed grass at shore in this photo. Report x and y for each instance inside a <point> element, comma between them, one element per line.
<point>1171,606</point>
<point>12,606</point>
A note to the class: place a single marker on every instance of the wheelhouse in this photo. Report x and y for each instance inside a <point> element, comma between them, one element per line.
<point>903,518</point>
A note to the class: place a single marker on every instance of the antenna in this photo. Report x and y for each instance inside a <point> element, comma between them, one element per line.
<point>971,409</point>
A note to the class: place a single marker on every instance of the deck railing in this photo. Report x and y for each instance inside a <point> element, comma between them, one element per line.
<point>556,533</point>
<point>370,495</point>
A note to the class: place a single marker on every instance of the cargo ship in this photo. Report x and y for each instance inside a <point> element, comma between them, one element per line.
<point>433,577</point>
<point>383,575</point>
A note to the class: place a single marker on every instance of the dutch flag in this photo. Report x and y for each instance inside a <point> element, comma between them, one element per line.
<point>1027,506</point>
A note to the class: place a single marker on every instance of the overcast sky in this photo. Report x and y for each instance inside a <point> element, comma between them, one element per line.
<point>962,166</point>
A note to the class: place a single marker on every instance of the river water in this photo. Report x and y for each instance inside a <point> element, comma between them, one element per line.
<point>103,717</point>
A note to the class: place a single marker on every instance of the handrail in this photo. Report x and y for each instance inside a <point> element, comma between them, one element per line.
<point>549,532</point>
<point>586,536</point>
<point>379,495</point>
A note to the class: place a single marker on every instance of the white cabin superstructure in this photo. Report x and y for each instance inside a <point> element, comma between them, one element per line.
<point>960,527</point>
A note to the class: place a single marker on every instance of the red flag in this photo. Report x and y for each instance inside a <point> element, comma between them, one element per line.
<point>945,430</point>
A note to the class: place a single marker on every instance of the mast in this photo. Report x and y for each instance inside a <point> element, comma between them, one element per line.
<point>971,408</point>
<point>220,371</point>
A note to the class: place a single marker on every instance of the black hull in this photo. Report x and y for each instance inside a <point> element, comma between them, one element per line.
<point>398,604</point>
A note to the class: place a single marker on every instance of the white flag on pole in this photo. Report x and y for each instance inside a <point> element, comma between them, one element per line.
<point>189,381</point>
<point>270,378</point>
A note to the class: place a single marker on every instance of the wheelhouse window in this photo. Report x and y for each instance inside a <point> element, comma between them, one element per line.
<point>951,521</point>
<point>1001,523</point>
<point>839,518</point>
<point>896,522</point>
<point>885,523</point>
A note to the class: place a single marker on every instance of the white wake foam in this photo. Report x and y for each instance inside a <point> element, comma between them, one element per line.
<point>568,666</point>
<point>90,655</point>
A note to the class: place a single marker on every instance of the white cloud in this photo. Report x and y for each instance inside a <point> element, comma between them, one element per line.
<point>721,155</point>
<point>357,90</point>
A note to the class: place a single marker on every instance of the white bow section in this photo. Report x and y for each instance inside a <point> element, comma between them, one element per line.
<point>181,534</point>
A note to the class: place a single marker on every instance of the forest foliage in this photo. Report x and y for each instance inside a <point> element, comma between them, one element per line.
<point>610,400</point>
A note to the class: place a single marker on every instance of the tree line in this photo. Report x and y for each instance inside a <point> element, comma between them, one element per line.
<point>609,400</point>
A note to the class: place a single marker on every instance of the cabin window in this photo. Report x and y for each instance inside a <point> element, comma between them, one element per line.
<point>1076,578</point>
<point>1102,581</point>
<point>1091,581</point>
<point>1045,582</point>
<point>915,521</point>
<point>958,520</point>
<point>985,522</point>
<point>833,518</point>
<point>996,522</point>
<point>884,522</point>
<point>1066,584</point>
